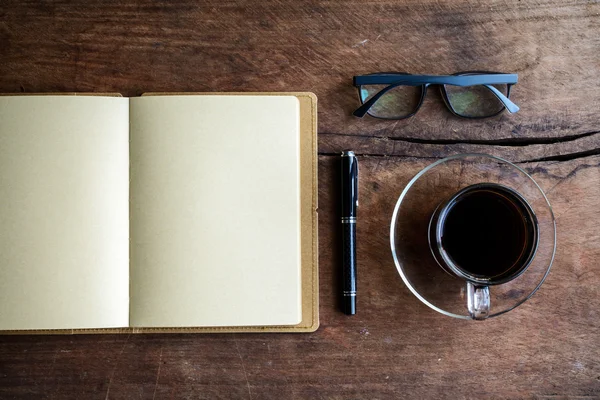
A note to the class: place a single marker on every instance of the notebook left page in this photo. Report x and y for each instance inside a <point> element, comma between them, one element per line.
<point>64,220</point>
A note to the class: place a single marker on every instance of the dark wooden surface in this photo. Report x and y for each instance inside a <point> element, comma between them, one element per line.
<point>395,347</point>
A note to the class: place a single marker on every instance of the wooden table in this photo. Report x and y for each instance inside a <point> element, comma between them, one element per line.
<point>395,347</point>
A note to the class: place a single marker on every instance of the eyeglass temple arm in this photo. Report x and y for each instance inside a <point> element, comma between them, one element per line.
<point>510,106</point>
<point>362,110</point>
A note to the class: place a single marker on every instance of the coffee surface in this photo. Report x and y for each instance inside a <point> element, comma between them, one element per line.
<point>486,233</point>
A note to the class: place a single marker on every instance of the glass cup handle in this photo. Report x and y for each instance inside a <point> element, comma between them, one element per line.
<point>478,301</point>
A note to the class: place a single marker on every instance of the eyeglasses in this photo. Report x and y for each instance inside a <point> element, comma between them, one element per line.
<point>399,95</point>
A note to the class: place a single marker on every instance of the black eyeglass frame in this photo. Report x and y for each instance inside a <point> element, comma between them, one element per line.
<point>466,78</point>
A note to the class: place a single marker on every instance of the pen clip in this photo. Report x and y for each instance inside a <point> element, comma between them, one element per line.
<point>357,179</point>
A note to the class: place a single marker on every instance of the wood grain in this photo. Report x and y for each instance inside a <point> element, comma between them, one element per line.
<point>134,47</point>
<point>395,347</point>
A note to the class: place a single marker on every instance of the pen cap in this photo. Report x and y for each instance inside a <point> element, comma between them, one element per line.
<point>349,184</point>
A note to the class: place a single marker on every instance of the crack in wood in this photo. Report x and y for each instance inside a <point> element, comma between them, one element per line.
<point>337,154</point>
<point>512,142</point>
<point>567,157</point>
<point>558,158</point>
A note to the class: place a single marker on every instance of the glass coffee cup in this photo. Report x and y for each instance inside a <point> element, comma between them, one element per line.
<point>473,236</point>
<point>486,234</point>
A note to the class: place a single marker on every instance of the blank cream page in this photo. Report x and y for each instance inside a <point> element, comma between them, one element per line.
<point>64,212</point>
<point>215,211</point>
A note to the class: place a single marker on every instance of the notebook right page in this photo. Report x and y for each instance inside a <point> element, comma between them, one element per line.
<point>215,211</point>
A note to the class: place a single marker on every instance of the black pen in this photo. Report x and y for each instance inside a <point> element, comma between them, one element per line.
<point>349,205</point>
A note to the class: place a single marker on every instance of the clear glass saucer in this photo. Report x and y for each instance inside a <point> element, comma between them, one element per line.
<point>432,186</point>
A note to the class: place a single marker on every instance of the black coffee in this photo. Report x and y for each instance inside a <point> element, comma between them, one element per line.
<point>489,232</point>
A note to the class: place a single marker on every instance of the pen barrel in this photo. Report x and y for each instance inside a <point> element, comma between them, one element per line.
<point>349,267</point>
<point>349,205</point>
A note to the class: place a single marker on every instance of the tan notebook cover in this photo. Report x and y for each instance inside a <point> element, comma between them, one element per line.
<point>308,232</point>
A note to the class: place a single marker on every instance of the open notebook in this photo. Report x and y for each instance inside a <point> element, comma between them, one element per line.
<point>161,213</point>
